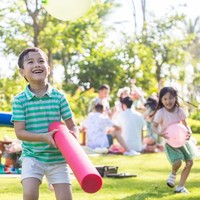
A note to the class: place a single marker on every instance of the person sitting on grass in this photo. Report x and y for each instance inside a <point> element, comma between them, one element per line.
<point>100,131</point>
<point>131,123</point>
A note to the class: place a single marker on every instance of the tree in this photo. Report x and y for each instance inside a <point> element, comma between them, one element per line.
<point>10,88</point>
<point>192,27</point>
<point>135,17</point>
<point>66,43</point>
<point>79,40</point>
<point>138,63</point>
<point>99,67</point>
<point>168,50</point>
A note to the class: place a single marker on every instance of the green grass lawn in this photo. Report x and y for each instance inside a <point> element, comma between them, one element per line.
<point>152,171</point>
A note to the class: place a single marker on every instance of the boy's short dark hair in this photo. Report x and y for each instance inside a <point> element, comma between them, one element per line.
<point>25,52</point>
<point>104,86</point>
<point>128,101</point>
<point>98,107</point>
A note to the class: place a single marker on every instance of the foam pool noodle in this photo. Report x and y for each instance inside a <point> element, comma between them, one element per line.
<point>83,169</point>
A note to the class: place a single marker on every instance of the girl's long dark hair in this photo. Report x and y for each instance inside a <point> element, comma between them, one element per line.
<point>164,91</point>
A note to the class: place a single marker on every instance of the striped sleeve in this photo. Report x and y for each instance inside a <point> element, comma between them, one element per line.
<point>65,109</point>
<point>18,112</point>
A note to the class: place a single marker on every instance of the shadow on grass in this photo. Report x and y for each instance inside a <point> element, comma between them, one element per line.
<point>149,196</point>
<point>143,196</point>
<point>152,171</point>
<point>161,191</point>
<point>153,191</point>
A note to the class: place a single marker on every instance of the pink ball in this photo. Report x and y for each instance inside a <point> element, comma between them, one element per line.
<point>177,134</point>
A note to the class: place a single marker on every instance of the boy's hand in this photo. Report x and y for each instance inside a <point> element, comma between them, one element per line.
<point>75,131</point>
<point>48,138</point>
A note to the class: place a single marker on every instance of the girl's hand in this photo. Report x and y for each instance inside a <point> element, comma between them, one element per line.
<point>164,135</point>
<point>189,132</point>
<point>48,138</point>
<point>188,135</point>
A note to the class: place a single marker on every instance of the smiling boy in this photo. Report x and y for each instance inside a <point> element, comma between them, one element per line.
<point>33,110</point>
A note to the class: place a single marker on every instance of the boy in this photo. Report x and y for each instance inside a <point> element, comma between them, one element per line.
<point>33,110</point>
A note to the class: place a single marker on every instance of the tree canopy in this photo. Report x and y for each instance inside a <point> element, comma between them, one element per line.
<point>162,49</point>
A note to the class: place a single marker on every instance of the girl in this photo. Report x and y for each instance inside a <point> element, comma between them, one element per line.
<point>168,112</point>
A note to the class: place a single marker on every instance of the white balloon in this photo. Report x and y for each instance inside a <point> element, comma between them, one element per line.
<point>67,9</point>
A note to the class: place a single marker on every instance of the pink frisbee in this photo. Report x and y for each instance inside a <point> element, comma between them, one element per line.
<point>177,134</point>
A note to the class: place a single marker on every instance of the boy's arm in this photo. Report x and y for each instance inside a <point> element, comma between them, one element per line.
<point>24,135</point>
<point>73,128</point>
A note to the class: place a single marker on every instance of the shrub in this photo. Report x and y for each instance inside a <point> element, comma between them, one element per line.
<point>80,101</point>
<point>194,125</point>
<point>195,115</point>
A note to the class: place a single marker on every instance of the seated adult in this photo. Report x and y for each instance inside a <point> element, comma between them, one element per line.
<point>131,123</point>
<point>100,130</point>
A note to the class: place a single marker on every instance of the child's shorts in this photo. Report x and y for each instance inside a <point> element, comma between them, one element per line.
<point>55,173</point>
<point>185,153</point>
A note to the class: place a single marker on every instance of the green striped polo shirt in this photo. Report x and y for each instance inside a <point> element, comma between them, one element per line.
<point>38,113</point>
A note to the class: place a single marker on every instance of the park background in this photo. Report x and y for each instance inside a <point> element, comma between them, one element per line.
<point>108,45</point>
<point>101,47</point>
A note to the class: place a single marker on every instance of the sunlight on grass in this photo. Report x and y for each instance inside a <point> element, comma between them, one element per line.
<point>150,184</point>
<point>152,171</point>
<point>7,131</point>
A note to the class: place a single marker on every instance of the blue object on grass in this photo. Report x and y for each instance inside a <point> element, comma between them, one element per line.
<point>9,170</point>
<point>5,119</point>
